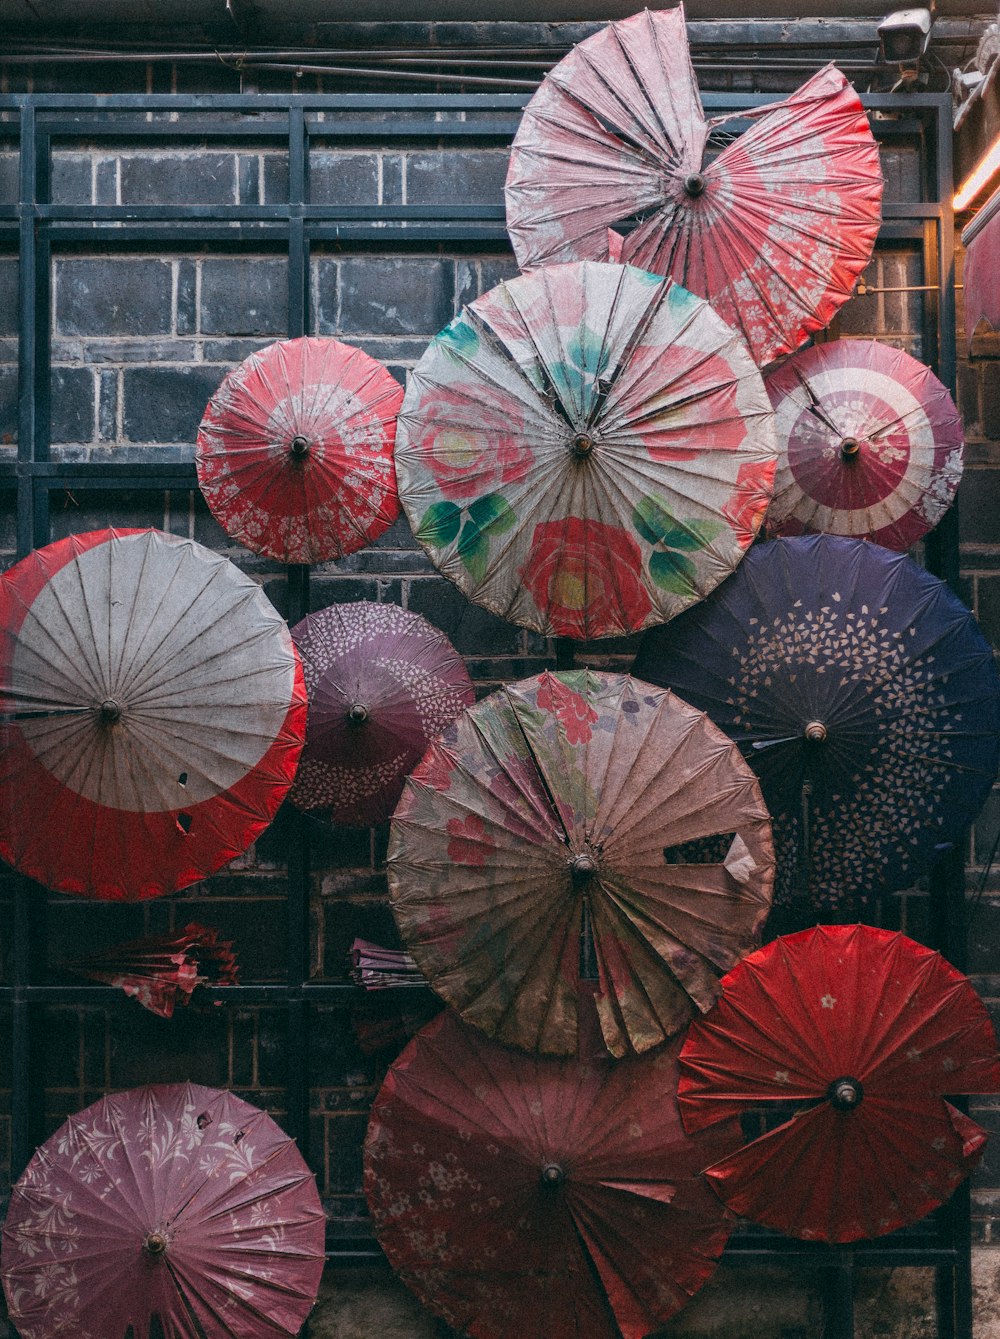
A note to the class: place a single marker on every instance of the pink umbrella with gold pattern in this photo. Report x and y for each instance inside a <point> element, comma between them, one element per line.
<point>586,450</point>
<point>773,230</point>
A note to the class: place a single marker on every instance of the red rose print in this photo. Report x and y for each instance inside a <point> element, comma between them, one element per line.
<point>745,509</point>
<point>572,711</point>
<point>585,576</point>
<point>469,843</point>
<point>705,415</point>
<point>435,768</point>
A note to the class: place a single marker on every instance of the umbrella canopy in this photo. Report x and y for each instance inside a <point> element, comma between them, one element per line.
<point>586,450</point>
<point>295,450</point>
<point>162,971</point>
<point>774,230</point>
<point>176,1202</point>
<point>863,695</point>
<point>152,711</point>
<point>382,683</point>
<point>870,442</point>
<point>540,1197</point>
<point>566,805</point>
<point>869,1030</point>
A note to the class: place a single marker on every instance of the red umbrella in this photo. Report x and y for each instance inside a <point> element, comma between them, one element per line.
<point>774,230</point>
<point>382,683</point>
<point>870,444</point>
<point>162,971</point>
<point>541,1198</point>
<point>176,1202</point>
<point>151,713</point>
<point>866,1031</point>
<point>295,450</point>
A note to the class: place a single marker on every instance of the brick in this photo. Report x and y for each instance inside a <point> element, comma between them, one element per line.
<point>8,295</point>
<point>901,171</point>
<point>9,178</point>
<point>244,297</point>
<point>326,290</point>
<point>8,405</point>
<point>392,179</point>
<point>166,404</point>
<point>249,179</point>
<point>106,182</point>
<point>193,1045</point>
<point>275,179</point>
<point>979,504</point>
<point>988,608</point>
<point>472,176</point>
<point>187,288</point>
<point>471,629</point>
<point>113,297</point>
<point>179,178</point>
<point>475,277</point>
<point>72,178</point>
<point>343,178</point>
<point>94,510</point>
<point>72,404</point>
<point>395,295</point>
<point>968,396</point>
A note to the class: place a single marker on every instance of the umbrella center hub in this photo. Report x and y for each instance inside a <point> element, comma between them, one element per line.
<point>845,1094</point>
<point>582,444</point>
<point>110,711</point>
<point>358,713</point>
<point>849,448</point>
<point>815,732</point>
<point>155,1244</point>
<point>583,867</point>
<point>553,1175</point>
<point>300,447</point>
<point>695,184</point>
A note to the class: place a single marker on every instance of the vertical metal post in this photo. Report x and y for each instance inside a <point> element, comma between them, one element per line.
<point>838,1298</point>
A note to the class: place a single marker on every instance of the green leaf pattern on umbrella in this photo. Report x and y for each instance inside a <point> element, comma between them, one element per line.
<point>586,450</point>
<point>533,782</point>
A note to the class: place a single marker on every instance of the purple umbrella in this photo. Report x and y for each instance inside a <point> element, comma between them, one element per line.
<point>382,683</point>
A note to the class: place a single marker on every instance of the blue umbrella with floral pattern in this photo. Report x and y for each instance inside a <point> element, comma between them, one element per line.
<point>862,693</point>
<point>586,450</point>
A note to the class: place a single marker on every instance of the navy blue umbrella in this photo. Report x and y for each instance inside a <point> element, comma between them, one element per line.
<point>862,693</point>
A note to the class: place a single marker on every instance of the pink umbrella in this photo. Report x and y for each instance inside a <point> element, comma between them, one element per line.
<point>773,230</point>
<point>176,1202</point>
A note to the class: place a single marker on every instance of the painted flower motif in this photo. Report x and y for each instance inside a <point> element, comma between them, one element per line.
<point>706,409</point>
<point>573,712</point>
<point>748,503</point>
<point>435,768</point>
<point>472,447</point>
<point>469,843</point>
<point>585,577</point>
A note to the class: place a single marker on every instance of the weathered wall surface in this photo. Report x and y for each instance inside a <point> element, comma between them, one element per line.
<point>140,339</point>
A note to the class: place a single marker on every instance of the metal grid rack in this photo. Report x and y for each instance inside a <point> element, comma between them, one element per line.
<point>34,123</point>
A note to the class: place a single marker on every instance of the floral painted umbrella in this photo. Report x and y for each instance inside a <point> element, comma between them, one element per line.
<point>774,230</point>
<point>152,712</point>
<point>295,450</point>
<point>161,971</point>
<point>547,841</point>
<point>586,450</point>
<point>865,698</point>
<point>865,1031</point>
<point>871,444</point>
<point>174,1204</point>
<point>542,1198</point>
<point>382,683</point>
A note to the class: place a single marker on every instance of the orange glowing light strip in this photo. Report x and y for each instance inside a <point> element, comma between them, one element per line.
<point>979,177</point>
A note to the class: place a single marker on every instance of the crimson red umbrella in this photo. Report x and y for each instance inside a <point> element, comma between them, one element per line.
<point>152,712</point>
<point>162,971</point>
<point>295,450</point>
<point>870,444</point>
<point>173,1203</point>
<point>774,229</point>
<point>382,683</point>
<point>865,1031</point>
<point>541,1198</point>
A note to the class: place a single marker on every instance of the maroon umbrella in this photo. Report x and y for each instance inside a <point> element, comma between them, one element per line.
<point>176,1202</point>
<point>382,683</point>
<point>542,1198</point>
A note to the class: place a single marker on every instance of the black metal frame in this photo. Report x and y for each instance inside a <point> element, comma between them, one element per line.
<point>34,122</point>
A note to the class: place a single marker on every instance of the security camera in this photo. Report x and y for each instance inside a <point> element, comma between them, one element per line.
<point>904,35</point>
